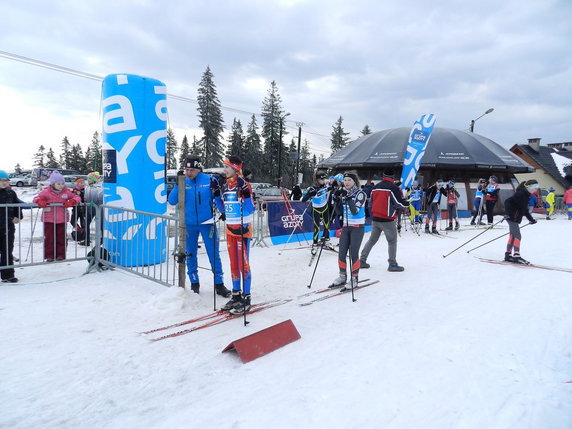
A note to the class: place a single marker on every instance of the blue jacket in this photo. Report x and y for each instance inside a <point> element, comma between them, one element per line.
<point>199,200</point>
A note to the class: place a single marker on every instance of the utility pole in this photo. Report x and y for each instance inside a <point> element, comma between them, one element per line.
<point>299,125</point>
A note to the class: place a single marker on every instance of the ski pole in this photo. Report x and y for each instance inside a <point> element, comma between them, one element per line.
<point>296,226</point>
<point>321,248</point>
<point>242,245</point>
<point>32,235</point>
<point>490,241</point>
<point>478,235</point>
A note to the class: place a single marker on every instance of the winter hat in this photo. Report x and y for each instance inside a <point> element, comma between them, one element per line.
<point>93,177</point>
<point>531,185</point>
<point>79,180</point>
<point>388,172</point>
<point>493,178</point>
<point>193,162</point>
<point>551,189</point>
<point>352,175</point>
<point>56,177</point>
<point>234,162</point>
<point>4,175</point>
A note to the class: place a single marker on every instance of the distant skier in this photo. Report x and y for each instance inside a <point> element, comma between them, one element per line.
<point>515,208</point>
<point>550,200</point>
<point>319,194</point>
<point>491,198</point>
<point>433,200</point>
<point>452,201</point>
<point>478,205</point>
<point>568,201</point>
<point>414,196</point>
<point>349,203</point>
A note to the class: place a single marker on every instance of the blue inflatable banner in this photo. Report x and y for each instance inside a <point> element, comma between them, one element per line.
<point>418,140</point>
<point>134,110</point>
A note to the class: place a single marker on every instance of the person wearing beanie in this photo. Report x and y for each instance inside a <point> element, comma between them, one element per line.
<point>550,201</point>
<point>55,200</point>
<point>320,195</point>
<point>414,196</point>
<point>93,177</point>
<point>515,208</point>
<point>200,195</point>
<point>237,206</point>
<point>491,197</point>
<point>386,199</point>
<point>432,202</point>
<point>9,216</point>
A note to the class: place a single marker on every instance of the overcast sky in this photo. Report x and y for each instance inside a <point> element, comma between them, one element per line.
<point>373,62</point>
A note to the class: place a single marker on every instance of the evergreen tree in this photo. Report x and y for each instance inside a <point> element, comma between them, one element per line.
<point>39,157</point>
<point>18,168</point>
<point>339,136</point>
<point>236,140</point>
<point>172,148</point>
<point>185,151</point>
<point>273,129</point>
<point>51,161</point>
<point>65,155</point>
<point>252,155</point>
<point>196,148</point>
<point>93,156</point>
<point>306,167</point>
<point>210,120</point>
<point>77,160</point>
<point>366,130</point>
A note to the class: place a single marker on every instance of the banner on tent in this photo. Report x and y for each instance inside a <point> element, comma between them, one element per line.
<point>418,140</point>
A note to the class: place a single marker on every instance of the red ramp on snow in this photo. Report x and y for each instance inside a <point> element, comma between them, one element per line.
<point>263,342</point>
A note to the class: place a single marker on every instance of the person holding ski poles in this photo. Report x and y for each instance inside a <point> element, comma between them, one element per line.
<point>515,208</point>
<point>199,219</point>
<point>414,198</point>
<point>452,201</point>
<point>491,197</point>
<point>238,208</point>
<point>349,203</point>
<point>386,199</point>
<point>478,203</point>
<point>320,200</point>
<point>433,199</point>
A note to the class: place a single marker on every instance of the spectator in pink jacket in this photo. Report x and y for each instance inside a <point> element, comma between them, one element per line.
<point>55,218</point>
<point>568,201</point>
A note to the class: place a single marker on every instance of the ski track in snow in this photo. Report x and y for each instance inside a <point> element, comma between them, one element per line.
<point>448,343</point>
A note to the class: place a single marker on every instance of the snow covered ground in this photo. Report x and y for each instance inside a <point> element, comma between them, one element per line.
<point>448,343</point>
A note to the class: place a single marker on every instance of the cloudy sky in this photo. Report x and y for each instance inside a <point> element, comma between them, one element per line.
<point>380,63</point>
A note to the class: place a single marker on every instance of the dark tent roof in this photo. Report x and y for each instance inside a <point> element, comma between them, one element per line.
<point>447,148</point>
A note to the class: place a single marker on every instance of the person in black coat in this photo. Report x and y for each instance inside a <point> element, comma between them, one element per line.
<point>515,208</point>
<point>9,216</point>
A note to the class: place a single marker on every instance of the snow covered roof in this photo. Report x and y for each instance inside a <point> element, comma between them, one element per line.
<point>558,164</point>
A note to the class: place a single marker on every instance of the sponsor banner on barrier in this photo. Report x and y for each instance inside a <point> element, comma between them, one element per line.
<point>134,136</point>
<point>282,220</point>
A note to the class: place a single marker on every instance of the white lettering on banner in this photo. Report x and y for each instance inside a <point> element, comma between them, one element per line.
<point>125,111</point>
<point>131,232</point>
<point>152,146</point>
<point>125,200</point>
<point>151,229</point>
<point>429,120</point>
<point>161,106</point>
<point>160,193</point>
<point>121,160</point>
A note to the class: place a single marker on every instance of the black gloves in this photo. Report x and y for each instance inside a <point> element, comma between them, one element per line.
<point>242,187</point>
<point>222,217</point>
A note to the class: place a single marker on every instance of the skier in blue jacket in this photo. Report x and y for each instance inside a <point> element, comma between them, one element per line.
<point>200,218</point>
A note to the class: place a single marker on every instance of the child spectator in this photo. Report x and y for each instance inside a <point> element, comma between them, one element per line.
<point>8,217</point>
<point>55,217</point>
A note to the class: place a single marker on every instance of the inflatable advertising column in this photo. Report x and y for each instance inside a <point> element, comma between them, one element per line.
<point>134,110</point>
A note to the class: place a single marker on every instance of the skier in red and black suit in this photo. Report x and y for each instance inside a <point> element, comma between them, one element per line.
<point>386,198</point>
<point>515,208</point>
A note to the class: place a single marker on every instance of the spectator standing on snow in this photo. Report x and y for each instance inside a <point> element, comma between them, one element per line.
<point>433,200</point>
<point>550,201</point>
<point>515,208</point>
<point>491,197</point>
<point>452,201</point>
<point>238,207</point>
<point>55,217</point>
<point>349,203</point>
<point>199,219</point>
<point>9,216</point>
<point>386,199</point>
<point>568,201</point>
<point>478,203</point>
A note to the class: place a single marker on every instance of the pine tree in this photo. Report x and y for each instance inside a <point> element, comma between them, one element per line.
<point>172,148</point>
<point>39,157</point>
<point>65,155</point>
<point>273,129</point>
<point>93,155</point>
<point>366,130</point>
<point>51,161</point>
<point>339,136</point>
<point>210,120</point>
<point>236,140</point>
<point>18,168</point>
<point>185,151</point>
<point>253,157</point>
<point>77,160</point>
<point>196,148</point>
<point>306,167</point>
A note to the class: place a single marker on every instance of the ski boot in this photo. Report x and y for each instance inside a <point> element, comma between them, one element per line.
<point>434,230</point>
<point>473,221</point>
<point>517,259</point>
<point>353,283</point>
<point>195,287</point>
<point>395,268</point>
<point>508,257</point>
<point>314,249</point>
<point>340,281</point>
<point>457,226</point>
<point>427,228</point>
<point>234,301</point>
<point>449,228</point>
<point>363,264</point>
<point>242,307</point>
<point>221,290</point>
<point>10,280</point>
